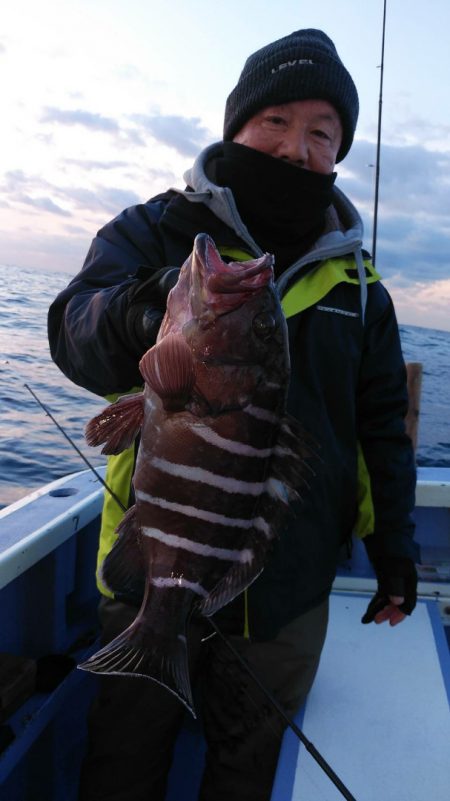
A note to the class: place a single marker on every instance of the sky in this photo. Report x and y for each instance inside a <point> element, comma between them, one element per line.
<point>106,103</point>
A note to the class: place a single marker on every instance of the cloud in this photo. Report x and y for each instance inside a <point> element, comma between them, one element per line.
<point>413,234</point>
<point>60,252</point>
<point>410,176</point>
<point>186,135</point>
<point>110,199</point>
<point>421,303</point>
<point>420,130</point>
<point>37,192</point>
<point>77,230</point>
<point>88,119</point>
<point>71,197</point>
<point>43,204</point>
<point>89,165</point>
<point>92,121</point>
<point>31,190</point>
<point>417,248</point>
<point>15,178</point>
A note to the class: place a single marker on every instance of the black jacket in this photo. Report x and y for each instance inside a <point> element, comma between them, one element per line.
<point>348,382</point>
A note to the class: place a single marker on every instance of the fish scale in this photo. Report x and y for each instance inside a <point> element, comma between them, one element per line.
<point>218,462</point>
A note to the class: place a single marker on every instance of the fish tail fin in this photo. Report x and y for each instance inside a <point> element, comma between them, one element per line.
<point>137,653</point>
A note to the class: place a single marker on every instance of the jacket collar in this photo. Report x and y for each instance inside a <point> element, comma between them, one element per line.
<point>343,233</point>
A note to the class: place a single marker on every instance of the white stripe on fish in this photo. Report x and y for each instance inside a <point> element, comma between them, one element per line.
<point>200,548</point>
<point>262,414</point>
<point>281,451</point>
<point>230,445</point>
<point>201,514</point>
<point>159,581</point>
<point>207,477</point>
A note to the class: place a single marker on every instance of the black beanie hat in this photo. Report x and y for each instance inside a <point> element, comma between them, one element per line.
<point>301,66</point>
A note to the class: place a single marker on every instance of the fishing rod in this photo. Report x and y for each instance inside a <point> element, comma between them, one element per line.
<point>270,697</point>
<point>292,725</point>
<point>377,163</point>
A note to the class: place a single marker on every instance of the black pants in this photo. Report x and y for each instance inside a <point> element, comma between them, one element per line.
<point>134,722</point>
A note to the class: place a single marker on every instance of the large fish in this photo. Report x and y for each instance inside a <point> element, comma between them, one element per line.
<point>217,465</point>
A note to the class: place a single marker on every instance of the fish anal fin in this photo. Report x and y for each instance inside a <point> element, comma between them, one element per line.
<point>169,370</point>
<point>123,570</point>
<point>118,425</point>
<point>238,578</point>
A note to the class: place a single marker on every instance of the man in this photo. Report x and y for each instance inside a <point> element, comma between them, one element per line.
<point>269,186</point>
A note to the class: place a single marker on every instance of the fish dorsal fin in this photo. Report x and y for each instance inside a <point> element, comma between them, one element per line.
<point>118,425</point>
<point>169,370</point>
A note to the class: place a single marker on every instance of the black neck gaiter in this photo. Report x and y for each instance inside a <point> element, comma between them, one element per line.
<point>282,206</point>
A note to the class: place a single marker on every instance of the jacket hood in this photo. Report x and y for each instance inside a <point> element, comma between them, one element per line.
<point>343,232</point>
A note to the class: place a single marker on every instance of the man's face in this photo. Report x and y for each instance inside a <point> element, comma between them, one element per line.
<point>307,133</point>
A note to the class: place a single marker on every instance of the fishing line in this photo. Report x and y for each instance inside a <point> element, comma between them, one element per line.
<point>75,447</point>
<point>270,697</point>
<point>292,725</point>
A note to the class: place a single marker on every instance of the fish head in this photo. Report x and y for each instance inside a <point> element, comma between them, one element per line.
<point>230,316</point>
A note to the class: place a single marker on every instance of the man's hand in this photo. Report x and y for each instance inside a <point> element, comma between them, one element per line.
<point>397,591</point>
<point>147,305</point>
<point>381,609</point>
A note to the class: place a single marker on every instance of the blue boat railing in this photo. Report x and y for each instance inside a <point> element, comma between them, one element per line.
<point>48,603</point>
<point>432,518</point>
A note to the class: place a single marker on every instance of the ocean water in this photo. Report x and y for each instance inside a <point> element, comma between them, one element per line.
<point>32,449</point>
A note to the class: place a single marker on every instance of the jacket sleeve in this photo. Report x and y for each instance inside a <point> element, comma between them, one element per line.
<point>89,336</point>
<point>382,404</point>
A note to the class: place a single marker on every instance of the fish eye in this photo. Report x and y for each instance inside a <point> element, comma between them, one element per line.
<point>264,325</point>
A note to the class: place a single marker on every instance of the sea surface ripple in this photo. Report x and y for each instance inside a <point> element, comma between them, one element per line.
<point>32,449</point>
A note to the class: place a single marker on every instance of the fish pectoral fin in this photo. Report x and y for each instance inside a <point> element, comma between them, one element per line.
<point>169,370</point>
<point>118,425</point>
<point>238,578</point>
<point>123,570</point>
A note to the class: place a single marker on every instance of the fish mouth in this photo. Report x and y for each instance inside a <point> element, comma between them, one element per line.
<point>219,287</point>
<point>239,278</point>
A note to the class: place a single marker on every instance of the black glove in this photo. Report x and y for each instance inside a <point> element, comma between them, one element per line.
<point>147,305</point>
<point>396,576</point>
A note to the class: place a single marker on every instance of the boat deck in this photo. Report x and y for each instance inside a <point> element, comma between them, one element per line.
<point>378,711</point>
